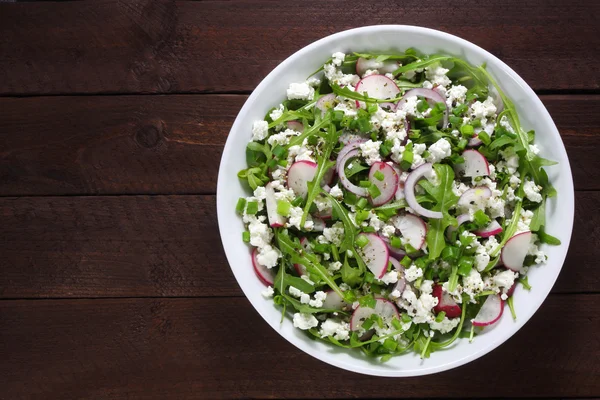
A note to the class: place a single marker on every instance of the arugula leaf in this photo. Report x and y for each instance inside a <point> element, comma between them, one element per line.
<point>352,95</point>
<point>445,199</point>
<point>297,140</point>
<point>323,165</point>
<point>350,275</point>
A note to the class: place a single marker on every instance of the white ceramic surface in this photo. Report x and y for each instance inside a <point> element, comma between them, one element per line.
<point>271,91</point>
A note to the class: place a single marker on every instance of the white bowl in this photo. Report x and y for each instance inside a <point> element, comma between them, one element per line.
<point>271,91</point>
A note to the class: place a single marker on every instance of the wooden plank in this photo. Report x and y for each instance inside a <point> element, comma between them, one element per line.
<point>221,348</point>
<point>172,144</point>
<point>139,246</point>
<point>166,46</point>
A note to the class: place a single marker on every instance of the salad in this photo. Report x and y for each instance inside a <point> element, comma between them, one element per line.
<point>397,202</point>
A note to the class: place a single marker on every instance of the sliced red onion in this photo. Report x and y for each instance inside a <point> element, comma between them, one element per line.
<point>362,192</point>
<point>428,94</point>
<point>352,145</point>
<point>409,191</point>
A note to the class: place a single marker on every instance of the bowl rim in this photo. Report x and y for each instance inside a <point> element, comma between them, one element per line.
<point>567,199</point>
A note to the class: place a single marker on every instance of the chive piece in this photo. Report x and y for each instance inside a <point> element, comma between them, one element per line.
<point>361,215</point>
<point>362,241</point>
<point>251,207</point>
<point>467,130</point>
<point>405,318</point>
<point>367,324</point>
<point>362,203</point>
<point>246,236</point>
<point>390,344</point>
<point>279,151</point>
<point>455,120</point>
<point>450,253</point>
<point>364,184</point>
<point>440,317</point>
<point>396,324</point>
<point>484,137</point>
<point>379,175</point>
<point>368,229</point>
<point>374,191</point>
<point>297,201</point>
<point>395,242</point>
<point>406,262</point>
<point>283,207</point>
<point>241,204</point>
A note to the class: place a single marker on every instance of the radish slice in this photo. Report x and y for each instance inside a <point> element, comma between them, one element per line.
<point>299,174</point>
<point>428,94</point>
<point>364,64</point>
<point>325,103</point>
<point>476,196</point>
<point>511,289</point>
<point>276,220</point>
<point>445,303</point>
<point>301,269</point>
<point>376,255</point>
<point>475,141</point>
<point>295,125</point>
<point>351,145</point>
<point>266,275</point>
<point>387,186</point>
<point>461,219</point>
<point>333,301</point>
<point>490,311</point>
<point>413,229</point>
<point>384,308</point>
<point>401,284</point>
<point>409,191</point>
<point>377,87</point>
<point>475,165</point>
<point>492,229</point>
<point>359,191</point>
<point>514,251</point>
<point>398,253</point>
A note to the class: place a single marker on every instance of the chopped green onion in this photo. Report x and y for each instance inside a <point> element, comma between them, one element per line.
<point>396,242</point>
<point>361,241</point>
<point>283,207</point>
<point>241,204</point>
<point>362,203</point>
<point>467,130</point>
<point>406,262</point>
<point>374,191</point>
<point>450,253</point>
<point>484,137</point>
<point>481,219</point>
<point>379,175</point>
<point>279,151</point>
<point>297,201</point>
<point>440,317</point>
<point>246,236</point>
<point>251,207</point>
<point>364,184</point>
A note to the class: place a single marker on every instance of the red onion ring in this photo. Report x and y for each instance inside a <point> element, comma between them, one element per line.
<point>428,94</point>
<point>362,192</point>
<point>409,191</point>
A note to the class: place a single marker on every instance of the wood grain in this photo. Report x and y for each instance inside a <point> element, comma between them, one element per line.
<point>209,348</point>
<point>165,46</point>
<point>139,246</point>
<point>172,144</point>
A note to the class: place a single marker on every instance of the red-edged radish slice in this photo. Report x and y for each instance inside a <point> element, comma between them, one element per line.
<point>299,174</point>
<point>461,219</point>
<point>409,191</point>
<point>377,87</point>
<point>429,94</point>
<point>490,311</point>
<point>511,290</point>
<point>413,229</point>
<point>445,303</point>
<point>398,253</point>
<point>376,255</point>
<point>319,224</point>
<point>266,275</point>
<point>387,186</point>
<point>475,142</point>
<point>514,251</point>
<point>477,196</point>
<point>384,308</point>
<point>401,283</point>
<point>384,67</point>
<point>276,220</point>
<point>400,189</point>
<point>475,165</point>
<point>326,102</point>
<point>333,301</point>
<point>295,125</point>
<point>492,229</point>
<point>357,190</point>
<point>301,269</point>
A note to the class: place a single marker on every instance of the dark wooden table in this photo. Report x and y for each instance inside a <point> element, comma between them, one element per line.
<point>113,115</point>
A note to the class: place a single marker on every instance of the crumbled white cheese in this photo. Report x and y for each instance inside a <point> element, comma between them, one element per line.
<point>300,91</point>
<point>472,284</point>
<point>338,58</point>
<point>445,326</point>
<point>532,191</point>
<point>295,219</point>
<point>436,74</point>
<point>305,321</point>
<point>282,138</point>
<point>370,151</point>
<point>260,130</point>
<point>304,297</point>
<point>260,233</point>
<point>456,95</point>
<point>413,273</point>
<point>439,150</point>
<point>268,292</point>
<point>277,113</point>
<point>268,256</point>
<point>390,277</point>
<point>335,233</point>
<point>336,192</point>
<point>334,266</point>
<point>318,300</point>
<point>340,330</point>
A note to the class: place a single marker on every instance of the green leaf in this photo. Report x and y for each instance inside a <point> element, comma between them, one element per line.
<point>351,276</point>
